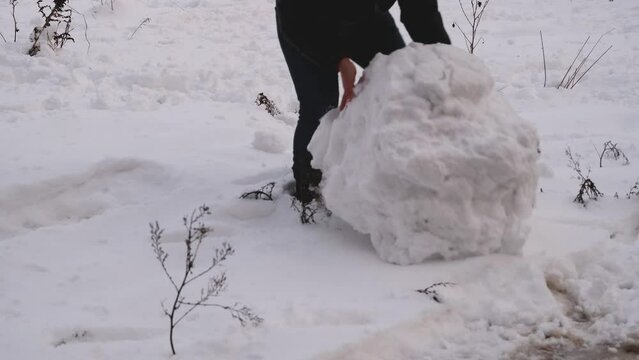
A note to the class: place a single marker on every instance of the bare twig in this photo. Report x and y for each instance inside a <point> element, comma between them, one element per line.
<point>611,151</point>
<point>476,12</point>
<point>574,163</point>
<point>587,186</point>
<point>581,64</point>
<point>243,314</point>
<point>86,28</point>
<point>13,4</point>
<point>561,83</point>
<point>543,53</point>
<point>634,190</point>
<point>431,290</point>
<point>590,67</point>
<point>264,193</point>
<point>156,235</point>
<point>143,23</point>
<point>573,77</point>
<point>2,36</point>
<point>196,231</point>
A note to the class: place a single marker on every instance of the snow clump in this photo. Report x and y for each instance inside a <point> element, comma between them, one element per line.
<point>428,159</point>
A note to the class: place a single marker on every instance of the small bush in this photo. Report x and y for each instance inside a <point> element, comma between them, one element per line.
<point>57,15</point>
<point>612,152</point>
<point>587,186</point>
<point>196,232</point>
<point>267,104</point>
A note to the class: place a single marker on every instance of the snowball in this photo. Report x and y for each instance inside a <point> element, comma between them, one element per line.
<point>428,159</point>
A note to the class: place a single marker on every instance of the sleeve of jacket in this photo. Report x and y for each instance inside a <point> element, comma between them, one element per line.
<point>423,21</point>
<point>317,39</point>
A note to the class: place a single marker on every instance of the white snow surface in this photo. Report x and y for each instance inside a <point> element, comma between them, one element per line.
<point>428,159</point>
<point>97,142</point>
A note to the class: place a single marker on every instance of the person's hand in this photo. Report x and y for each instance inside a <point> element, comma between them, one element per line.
<point>348,71</point>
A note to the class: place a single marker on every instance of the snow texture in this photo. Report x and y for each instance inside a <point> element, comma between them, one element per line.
<point>269,142</point>
<point>429,160</point>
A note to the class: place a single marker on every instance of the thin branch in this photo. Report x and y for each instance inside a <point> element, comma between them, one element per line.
<point>220,256</point>
<point>464,11</point>
<point>543,52</point>
<point>144,22</point>
<point>573,63</point>
<point>591,66</point>
<point>241,313</point>
<point>599,154</point>
<point>2,36</point>
<point>585,59</point>
<point>467,40</point>
<point>156,236</point>
<point>15,22</point>
<point>86,28</point>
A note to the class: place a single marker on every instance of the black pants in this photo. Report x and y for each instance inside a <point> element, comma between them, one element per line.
<point>317,87</point>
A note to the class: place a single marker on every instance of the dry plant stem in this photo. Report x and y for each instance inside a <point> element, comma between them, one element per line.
<point>573,163</point>
<point>432,290</point>
<point>634,190</point>
<point>543,53</point>
<point>144,22</point>
<point>588,56</point>
<point>574,75</point>
<point>15,22</point>
<point>264,193</point>
<point>195,234</point>
<point>2,36</point>
<point>86,28</point>
<point>477,12</point>
<point>561,83</point>
<point>591,66</point>
<point>611,150</point>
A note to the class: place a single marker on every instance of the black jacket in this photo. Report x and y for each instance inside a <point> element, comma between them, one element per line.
<point>320,28</point>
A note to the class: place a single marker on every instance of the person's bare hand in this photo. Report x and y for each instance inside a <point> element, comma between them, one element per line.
<point>349,72</point>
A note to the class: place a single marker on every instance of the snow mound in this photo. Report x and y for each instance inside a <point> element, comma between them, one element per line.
<point>428,159</point>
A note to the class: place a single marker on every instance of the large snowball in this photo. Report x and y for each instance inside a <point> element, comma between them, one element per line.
<point>428,159</point>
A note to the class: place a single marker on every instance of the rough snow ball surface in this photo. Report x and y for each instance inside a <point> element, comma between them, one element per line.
<point>428,159</point>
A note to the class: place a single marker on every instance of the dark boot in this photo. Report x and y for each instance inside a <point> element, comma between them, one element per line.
<point>307,182</point>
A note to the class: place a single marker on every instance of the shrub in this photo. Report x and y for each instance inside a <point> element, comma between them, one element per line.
<point>196,232</point>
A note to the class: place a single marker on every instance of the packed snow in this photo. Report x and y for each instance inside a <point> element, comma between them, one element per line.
<point>97,141</point>
<point>429,160</point>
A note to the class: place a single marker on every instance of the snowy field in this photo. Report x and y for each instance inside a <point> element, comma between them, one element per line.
<point>96,142</point>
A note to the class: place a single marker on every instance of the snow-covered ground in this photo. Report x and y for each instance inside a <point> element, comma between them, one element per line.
<point>97,142</point>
